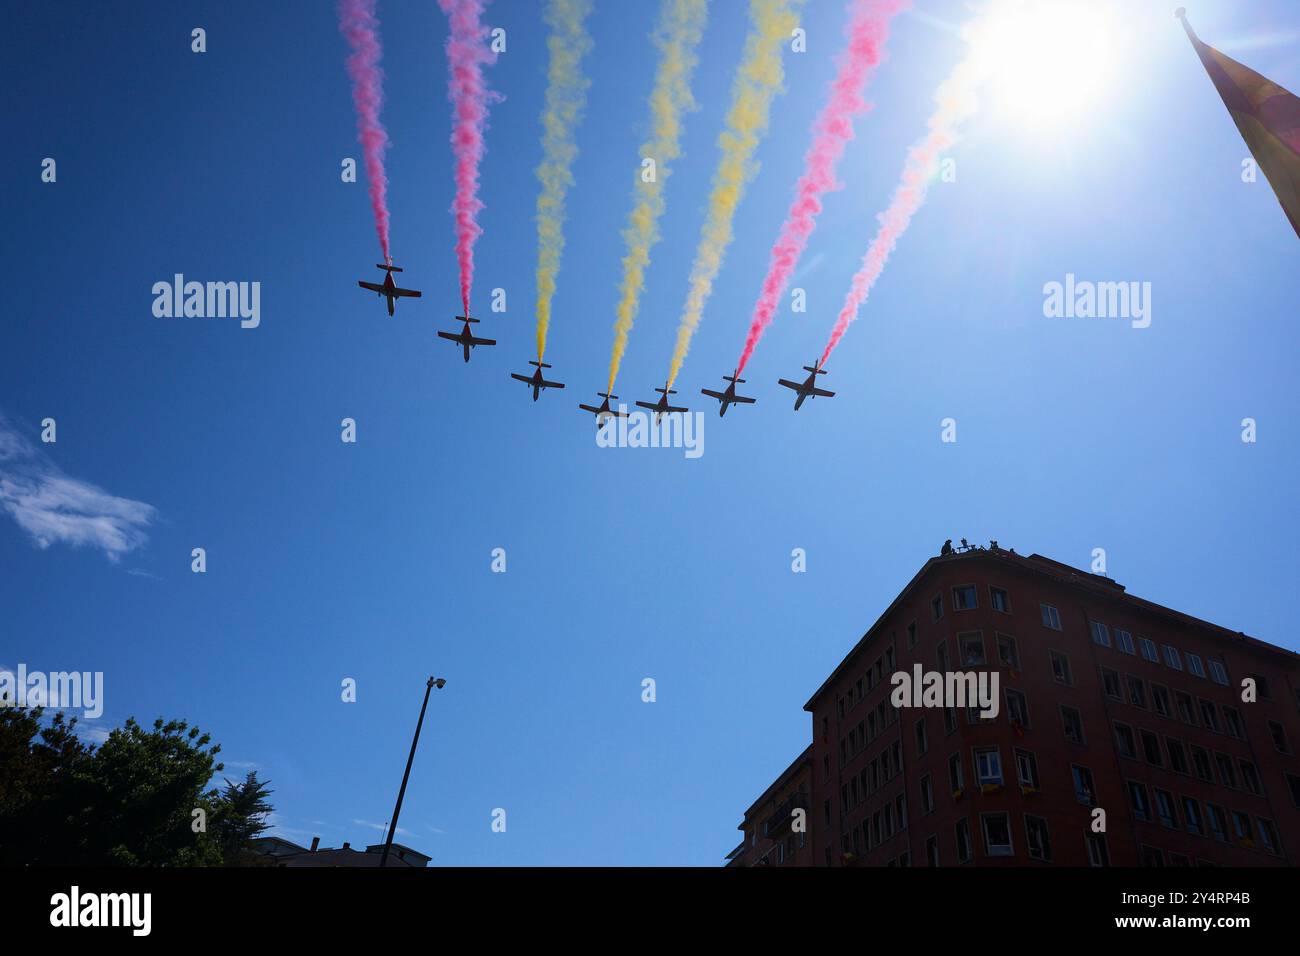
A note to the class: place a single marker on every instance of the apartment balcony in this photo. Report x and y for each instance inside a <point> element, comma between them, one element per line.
<point>780,819</point>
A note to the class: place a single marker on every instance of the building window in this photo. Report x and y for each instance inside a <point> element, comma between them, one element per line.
<point>1098,854</point>
<point>1073,724</point>
<point>988,766</point>
<point>1100,633</point>
<point>1165,808</point>
<point>1278,733</point>
<point>1060,667</point>
<point>963,842</point>
<point>1232,722</point>
<point>1172,659</point>
<point>1268,835</point>
<point>1194,666</point>
<point>1227,775</point>
<point>936,608</point>
<point>965,597</point>
<point>1017,709</point>
<point>1124,641</point>
<point>1218,820</point>
<point>932,851</point>
<point>1250,777</point>
<point>1201,761</point>
<point>950,719</point>
<point>927,794</point>
<point>1261,686</point>
<point>1293,782</point>
<point>1008,654</point>
<point>1137,692</point>
<point>1137,796</point>
<point>1125,741</point>
<point>1148,648</point>
<point>971,647</point>
<point>1240,825</point>
<point>1000,600</point>
<point>1110,681</point>
<point>1151,749</point>
<point>1217,673</point>
<point>997,834</point>
<point>1160,700</point>
<point>1151,856</point>
<point>1051,617</point>
<point>954,772</point>
<point>1027,769</point>
<point>1185,711</point>
<point>1037,839</point>
<point>1210,715</point>
<point>1177,756</point>
<point>941,655</point>
<point>922,742</point>
<point>911,635</point>
<point>1084,791</point>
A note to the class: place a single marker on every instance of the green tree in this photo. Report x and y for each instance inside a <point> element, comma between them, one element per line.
<point>131,801</point>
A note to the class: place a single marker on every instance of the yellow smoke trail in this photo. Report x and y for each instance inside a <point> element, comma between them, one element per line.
<point>566,98</point>
<point>758,80</point>
<point>681,24</point>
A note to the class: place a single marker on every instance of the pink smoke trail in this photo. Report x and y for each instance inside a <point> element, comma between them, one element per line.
<point>358,23</point>
<point>467,51</point>
<point>867,32</point>
<point>955,103</point>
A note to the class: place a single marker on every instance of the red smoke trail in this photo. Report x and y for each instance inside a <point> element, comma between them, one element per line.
<point>467,51</point>
<point>867,32</point>
<point>359,25</point>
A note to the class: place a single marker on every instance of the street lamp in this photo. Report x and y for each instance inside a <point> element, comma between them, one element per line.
<point>439,683</point>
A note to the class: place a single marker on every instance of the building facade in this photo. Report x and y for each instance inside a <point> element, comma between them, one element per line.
<point>1126,733</point>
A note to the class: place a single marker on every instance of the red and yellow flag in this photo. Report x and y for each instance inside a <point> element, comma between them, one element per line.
<point>1267,116</point>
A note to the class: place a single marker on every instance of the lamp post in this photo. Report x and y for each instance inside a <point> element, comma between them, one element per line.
<point>439,683</point>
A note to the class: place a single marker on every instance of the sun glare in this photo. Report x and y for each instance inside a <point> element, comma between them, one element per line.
<point>1048,60</point>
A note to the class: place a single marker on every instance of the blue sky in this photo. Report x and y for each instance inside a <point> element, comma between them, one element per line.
<point>372,561</point>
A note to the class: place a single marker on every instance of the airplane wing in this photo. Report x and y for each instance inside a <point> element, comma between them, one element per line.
<point>712,394</point>
<point>788,384</point>
<point>372,286</point>
<point>522,378</point>
<point>743,400</point>
<point>676,408</point>
<point>546,384</point>
<point>823,393</point>
<point>476,341</point>
<point>449,335</point>
<point>408,293</point>
<point>589,408</point>
<point>649,405</point>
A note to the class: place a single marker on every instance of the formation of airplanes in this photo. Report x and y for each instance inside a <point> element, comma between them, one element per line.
<point>538,382</point>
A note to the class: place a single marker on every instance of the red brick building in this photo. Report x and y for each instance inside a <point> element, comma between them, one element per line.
<point>1107,702</point>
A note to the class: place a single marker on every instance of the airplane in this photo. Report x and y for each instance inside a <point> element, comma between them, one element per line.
<point>389,288</point>
<point>806,388</point>
<point>661,407</point>
<point>535,380</point>
<point>604,413</point>
<point>463,338</point>
<point>728,397</point>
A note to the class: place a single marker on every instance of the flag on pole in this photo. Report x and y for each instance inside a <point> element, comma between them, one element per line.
<point>1267,116</point>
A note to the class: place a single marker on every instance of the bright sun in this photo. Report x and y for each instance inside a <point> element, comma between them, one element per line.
<point>1049,59</point>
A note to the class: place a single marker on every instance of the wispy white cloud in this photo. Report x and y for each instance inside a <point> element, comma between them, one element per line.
<point>54,508</point>
<point>382,827</point>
